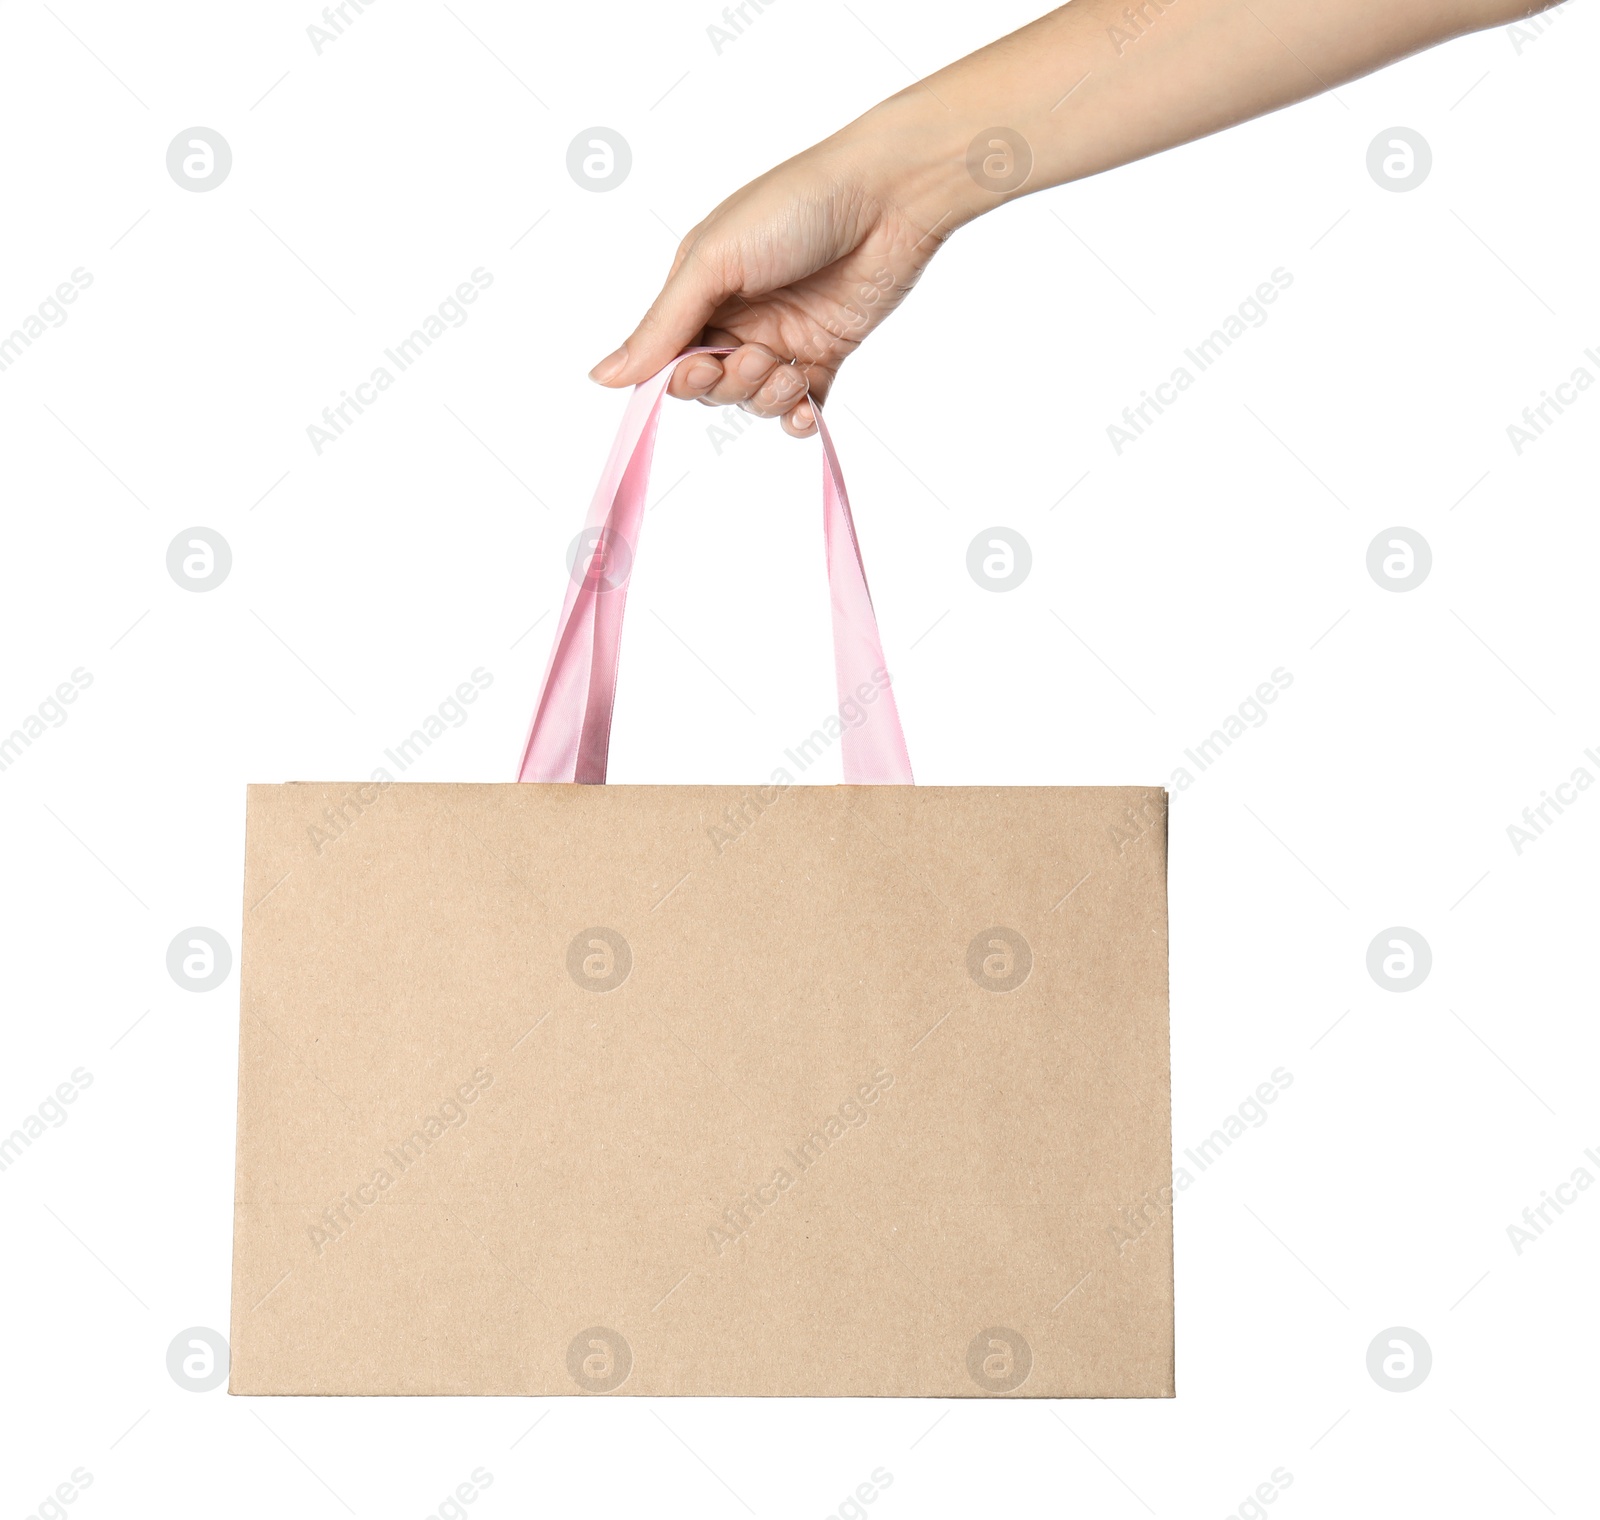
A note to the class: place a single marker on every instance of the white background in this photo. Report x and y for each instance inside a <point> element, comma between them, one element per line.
<point>1231,539</point>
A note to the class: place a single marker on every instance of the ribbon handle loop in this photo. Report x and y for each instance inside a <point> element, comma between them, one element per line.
<point>570,736</point>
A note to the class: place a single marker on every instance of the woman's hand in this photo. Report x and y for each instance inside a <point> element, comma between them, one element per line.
<point>792,272</point>
<point>797,268</point>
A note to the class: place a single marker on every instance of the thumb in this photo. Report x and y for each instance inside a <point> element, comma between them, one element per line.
<point>676,319</point>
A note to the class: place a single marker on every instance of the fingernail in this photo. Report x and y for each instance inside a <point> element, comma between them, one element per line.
<point>753,364</point>
<point>802,418</point>
<point>610,366</point>
<point>702,374</point>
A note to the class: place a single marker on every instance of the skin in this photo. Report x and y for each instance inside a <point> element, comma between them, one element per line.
<point>794,270</point>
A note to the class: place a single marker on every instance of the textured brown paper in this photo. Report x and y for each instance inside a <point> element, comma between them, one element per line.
<point>704,1090</point>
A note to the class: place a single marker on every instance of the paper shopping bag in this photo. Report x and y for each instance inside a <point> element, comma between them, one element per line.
<point>796,1090</point>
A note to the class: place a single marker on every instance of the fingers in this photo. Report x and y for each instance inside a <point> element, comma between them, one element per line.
<point>692,292</point>
<point>758,380</point>
<point>694,378</point>
<point>801,422</point>
<point>771,389</point>
<point>751,377</point>
<point>727,380</point>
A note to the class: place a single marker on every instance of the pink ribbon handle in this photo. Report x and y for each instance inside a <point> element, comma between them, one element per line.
<point>570,738</point>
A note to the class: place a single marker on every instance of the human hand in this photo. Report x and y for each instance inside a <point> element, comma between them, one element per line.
<point>794,270</point>
<point>791,272</point>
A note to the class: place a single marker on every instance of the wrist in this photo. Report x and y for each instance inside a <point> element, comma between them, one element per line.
<point>910,154</point>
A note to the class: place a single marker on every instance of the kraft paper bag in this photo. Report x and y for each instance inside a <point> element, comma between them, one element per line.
<point>548,1087</point>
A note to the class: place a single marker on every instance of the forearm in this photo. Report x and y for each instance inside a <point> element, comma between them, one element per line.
<point>796,268</point>
<point>1101,83</point>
